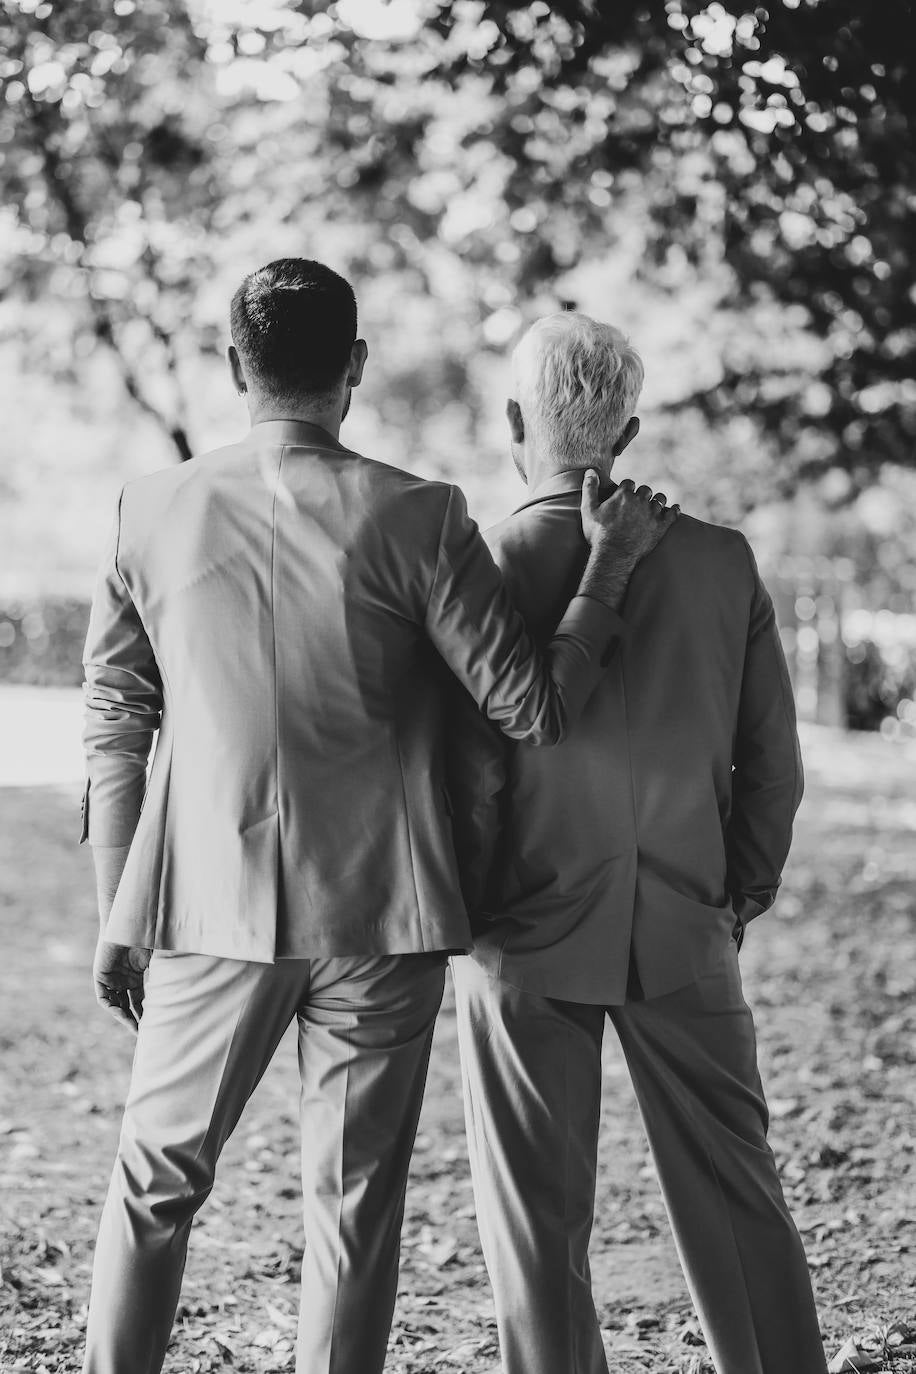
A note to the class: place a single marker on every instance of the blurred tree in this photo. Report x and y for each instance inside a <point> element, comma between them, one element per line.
<point>778,139</point>
<point>145,149</point>
<point>812,123</point>
<point>467,154</point>
<point>106,178</point>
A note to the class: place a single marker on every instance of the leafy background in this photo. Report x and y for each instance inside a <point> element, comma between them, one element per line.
<point>736,188</point>
<point>733,186</point>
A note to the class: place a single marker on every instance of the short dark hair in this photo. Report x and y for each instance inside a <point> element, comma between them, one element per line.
<point>294,324</point>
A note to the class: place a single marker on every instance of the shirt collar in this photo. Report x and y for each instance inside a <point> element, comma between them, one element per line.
<point>301,433</point>
<point>564,483</point>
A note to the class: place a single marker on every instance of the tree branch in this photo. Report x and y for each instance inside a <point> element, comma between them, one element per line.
<point>77,225</point>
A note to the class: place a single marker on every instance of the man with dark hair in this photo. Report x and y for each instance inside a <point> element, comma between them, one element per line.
<point>293,325</point>
<point>280,611</point>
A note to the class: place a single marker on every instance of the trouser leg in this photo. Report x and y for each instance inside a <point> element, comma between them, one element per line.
<point>209,1029</point>
<point>692,1057</point>
<point>364,1040</point>
<point>531,1068</point>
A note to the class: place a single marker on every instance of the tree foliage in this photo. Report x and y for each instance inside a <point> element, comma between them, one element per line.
<point>780,141</point>
<point>102,152</point>
<point>469,153</point>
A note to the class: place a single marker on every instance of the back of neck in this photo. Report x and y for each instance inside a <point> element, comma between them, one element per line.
<point>327,418</point>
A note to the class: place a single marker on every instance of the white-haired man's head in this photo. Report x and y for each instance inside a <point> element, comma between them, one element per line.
<point>576,384</point>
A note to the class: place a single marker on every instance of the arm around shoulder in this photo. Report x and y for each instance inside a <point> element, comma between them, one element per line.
<point>470,617</point>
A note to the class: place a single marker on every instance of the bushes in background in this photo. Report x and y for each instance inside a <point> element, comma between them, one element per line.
<point>41,641</point>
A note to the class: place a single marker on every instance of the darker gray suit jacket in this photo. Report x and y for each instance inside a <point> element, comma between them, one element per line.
<point>668,811</point>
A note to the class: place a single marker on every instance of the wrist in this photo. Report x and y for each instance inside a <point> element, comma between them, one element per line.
<point>606,551</point>
<point>605,582</point>
<point>601,541</point>
<point>109,864</point>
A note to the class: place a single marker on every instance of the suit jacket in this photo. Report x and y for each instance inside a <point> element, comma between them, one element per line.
<point>282,608</point>
<point>668,810</point>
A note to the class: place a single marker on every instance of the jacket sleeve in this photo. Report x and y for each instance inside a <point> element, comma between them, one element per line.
<point>767,781</point>
<point>476,758</point>
<point>123,706</point>
<point>478,632</point>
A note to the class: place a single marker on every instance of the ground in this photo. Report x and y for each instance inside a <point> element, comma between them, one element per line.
<point>830,973</point>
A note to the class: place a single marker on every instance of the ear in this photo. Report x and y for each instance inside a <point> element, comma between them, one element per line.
<point>235,369</point>
<point>631,429</point>
<point>358,355</point>
<point>516,423</point>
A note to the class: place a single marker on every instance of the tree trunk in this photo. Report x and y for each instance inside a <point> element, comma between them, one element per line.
<point>61,190</point>
<point>179,438</point>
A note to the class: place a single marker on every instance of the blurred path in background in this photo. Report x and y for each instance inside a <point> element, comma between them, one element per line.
<point>40,730</point>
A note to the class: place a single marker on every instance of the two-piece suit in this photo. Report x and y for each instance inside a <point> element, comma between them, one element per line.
<point>280,610</point>
<point>607,879</point>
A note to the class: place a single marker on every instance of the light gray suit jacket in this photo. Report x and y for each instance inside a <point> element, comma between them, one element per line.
<point>668,811</point>
<point>282,609</point>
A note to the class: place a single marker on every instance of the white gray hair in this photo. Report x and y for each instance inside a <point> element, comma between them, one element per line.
<point>577,382</point>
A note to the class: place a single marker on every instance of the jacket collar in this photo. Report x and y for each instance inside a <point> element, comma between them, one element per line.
<point>565,483</point>
<point>301,433</point>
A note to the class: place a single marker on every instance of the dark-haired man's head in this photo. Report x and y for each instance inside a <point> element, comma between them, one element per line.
<point>294,352</point>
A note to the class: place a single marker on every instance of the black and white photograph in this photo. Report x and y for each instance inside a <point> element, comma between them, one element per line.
<point>457,687</point>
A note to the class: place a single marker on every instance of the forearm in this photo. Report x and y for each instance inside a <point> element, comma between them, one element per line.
<point>607,574</point>
<point>122,717</point>
<point>115,788</point>
<point>124,702</point>
<point>109,861</point>
<point>768,778</point>
<point>758,840</point>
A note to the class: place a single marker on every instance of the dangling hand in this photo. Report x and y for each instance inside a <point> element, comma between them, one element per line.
<point>118,975</point>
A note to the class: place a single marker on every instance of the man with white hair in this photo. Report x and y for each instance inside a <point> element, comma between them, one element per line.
<point>613,877</point>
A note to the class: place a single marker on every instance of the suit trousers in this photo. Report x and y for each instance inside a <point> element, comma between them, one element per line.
<point>532,1081</point>
<point>209,1029</point>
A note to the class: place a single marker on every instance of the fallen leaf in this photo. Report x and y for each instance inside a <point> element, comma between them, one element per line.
<point>442,1253</point>
<point>463,1352</point>
<point>284,1320</point>
<point>53,1277</point>
<point>850,1357</point>
<point>643,1321</point>
<point>690,1334</point>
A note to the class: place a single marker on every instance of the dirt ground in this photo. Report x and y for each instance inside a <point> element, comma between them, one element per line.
<point>831,974</point>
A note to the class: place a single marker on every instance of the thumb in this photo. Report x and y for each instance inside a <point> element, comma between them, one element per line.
<point>590,500</point>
